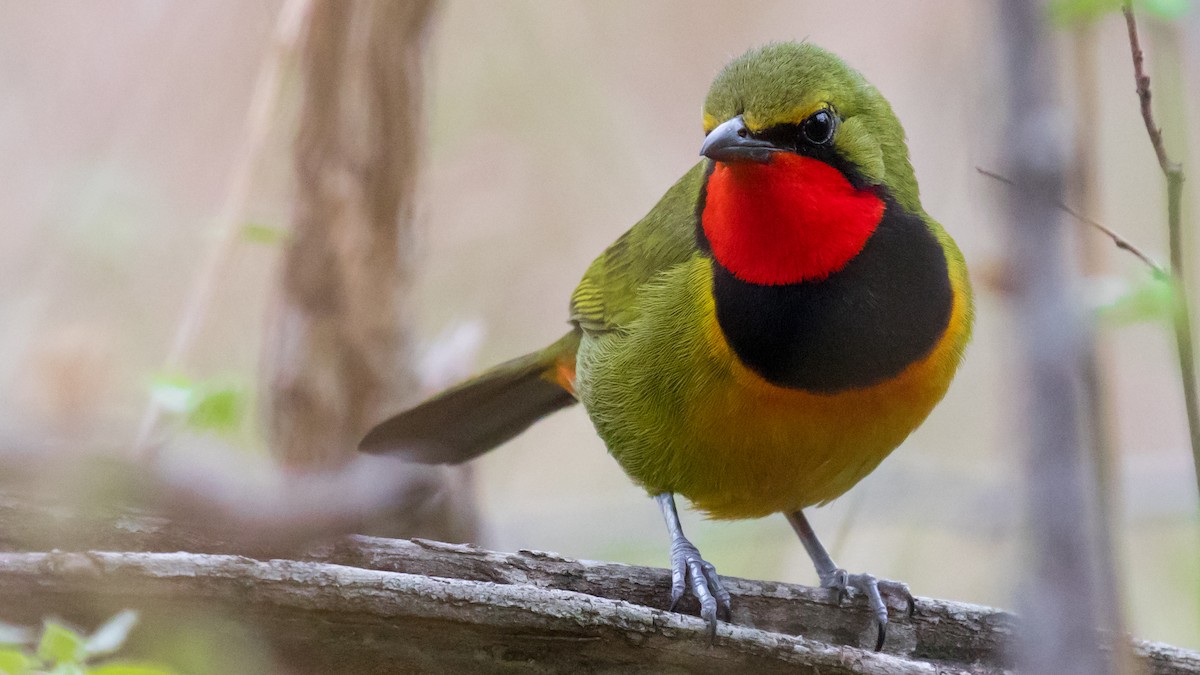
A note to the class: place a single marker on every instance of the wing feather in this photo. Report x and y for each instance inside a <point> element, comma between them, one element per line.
<point>605,299</point>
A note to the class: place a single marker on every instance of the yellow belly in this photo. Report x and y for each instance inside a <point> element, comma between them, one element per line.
<point>682,414</point>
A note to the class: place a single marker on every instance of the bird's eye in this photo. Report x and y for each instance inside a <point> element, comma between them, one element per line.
<point>818,128</point>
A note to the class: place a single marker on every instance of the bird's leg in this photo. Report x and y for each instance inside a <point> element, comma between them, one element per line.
<point>841,581</point>
<point>689,570</point>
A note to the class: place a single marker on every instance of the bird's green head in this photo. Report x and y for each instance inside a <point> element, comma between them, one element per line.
<point>799,98</point>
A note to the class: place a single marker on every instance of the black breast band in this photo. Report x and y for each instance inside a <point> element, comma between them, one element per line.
<point>885,309</point>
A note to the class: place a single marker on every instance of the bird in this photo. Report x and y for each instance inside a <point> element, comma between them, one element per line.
<point>778,323</point>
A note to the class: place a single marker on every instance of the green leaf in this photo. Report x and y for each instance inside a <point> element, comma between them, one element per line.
<point>259,233</point>
<point>220,410</point>
<point>13,662</point>
<point>175,393</point>
<point>68,669</point>
<point>1149,299</point>
<point>60,644</point>
<point>217,405</point>
<point>131,669</point>
<point>1070,12</point>
<point>1167,9</point>
<point>109,637</point>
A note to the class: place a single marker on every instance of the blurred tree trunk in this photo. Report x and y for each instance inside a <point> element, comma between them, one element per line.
<point>338,350</point>
<point>1102,413</point>
<point>1063,597</point>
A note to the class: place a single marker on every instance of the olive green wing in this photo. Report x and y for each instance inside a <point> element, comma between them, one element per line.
<point>606,297</point>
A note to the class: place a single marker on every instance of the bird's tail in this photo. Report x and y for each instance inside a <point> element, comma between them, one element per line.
<point>468,420</point>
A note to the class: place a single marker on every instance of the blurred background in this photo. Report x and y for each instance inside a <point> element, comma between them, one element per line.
<point>550,128</point>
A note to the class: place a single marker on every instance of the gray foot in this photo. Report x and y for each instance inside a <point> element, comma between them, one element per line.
<point>842,581</point>
<point>690,571</point>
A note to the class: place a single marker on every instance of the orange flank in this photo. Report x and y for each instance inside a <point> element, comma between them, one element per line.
<point>564,372</point>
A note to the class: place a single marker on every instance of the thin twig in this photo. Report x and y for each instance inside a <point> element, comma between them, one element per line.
<point>1143,91</point>
<point>263,105</point>
<point>1120,241</point>
<point>1173,171</point>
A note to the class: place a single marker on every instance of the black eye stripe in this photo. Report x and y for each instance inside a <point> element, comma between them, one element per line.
<point>802,136</point>
<point>790,138</point>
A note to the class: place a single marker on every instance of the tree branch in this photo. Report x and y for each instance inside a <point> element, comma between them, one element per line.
<point>1118,240</point>
<point>1143,91</point>
<point>373,621</point>
<point>1173,171</point>
<point>354,603</point>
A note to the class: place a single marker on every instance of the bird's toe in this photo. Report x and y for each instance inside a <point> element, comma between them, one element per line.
<point>690,572</point>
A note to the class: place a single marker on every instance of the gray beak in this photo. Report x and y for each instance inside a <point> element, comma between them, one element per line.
<point>732,142</point>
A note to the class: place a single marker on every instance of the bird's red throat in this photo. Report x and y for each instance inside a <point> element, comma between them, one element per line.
<point>790,220</point>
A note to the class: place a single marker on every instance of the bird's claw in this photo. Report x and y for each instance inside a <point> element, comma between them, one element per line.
<point>689,570</point>
<point>874,589</point>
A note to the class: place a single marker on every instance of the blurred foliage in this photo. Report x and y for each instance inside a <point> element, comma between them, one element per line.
<point>1150,298</point>
<point>206,643</point>
<point>259,233</point>
<point>218,406</point>
<point>64,651</point>
<point>1069,12</point>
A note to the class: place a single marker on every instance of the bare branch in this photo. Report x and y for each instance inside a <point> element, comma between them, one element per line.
<point>362,602</point>
<point>1143,90</point>
<point>222,496</point>
<point>1173,171</point>
<point>1120,241</point>
<point>218,516</point>
<point>372,621</point>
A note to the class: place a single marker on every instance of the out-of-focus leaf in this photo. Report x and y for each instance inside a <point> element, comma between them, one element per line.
<point>1150,299</point>
<point>1167,9</point>
<point>217,405</point>
<point>220,410</point>
<point>259,233</point>
<point>13,662</point>
<point>109,637</point>
<point>131,669</point>
<point>175,393</point>
<point>68,669</point>
<point>208,642</point>
<point>60,645</point>
<point>1069,12</point>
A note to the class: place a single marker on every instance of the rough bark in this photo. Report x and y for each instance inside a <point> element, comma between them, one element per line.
<point>337,619</point>
<point>365,604</point>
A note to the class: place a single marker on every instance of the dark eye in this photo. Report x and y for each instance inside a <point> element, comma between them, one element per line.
<point>818,129</point>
